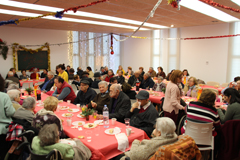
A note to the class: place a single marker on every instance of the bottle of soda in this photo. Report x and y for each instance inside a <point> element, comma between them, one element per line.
<point>137,85</point>
<point>105,116</point>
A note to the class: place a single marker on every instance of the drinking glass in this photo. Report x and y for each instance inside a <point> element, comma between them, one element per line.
<point>89,136</point>
<point>69,121</point>
<point>127,121</point>
<point>114,121</point>
<point>95,113</point>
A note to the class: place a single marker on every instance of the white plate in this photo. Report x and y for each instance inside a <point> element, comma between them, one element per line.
<point>86,125</point>
<point>64,115</point>
<point>73,110</point>
<point>114,131</point>
<point>98,122</point>
<point>65,107</point>
<point>76,123</point>
<point>80,116</point>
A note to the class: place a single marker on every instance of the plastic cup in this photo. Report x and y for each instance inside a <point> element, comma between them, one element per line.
<point>127,121</point>
<point>89,136</point>
<point>114,121</point>
<point>69,121</point>
<point>128,131</point>
<point>68,101</point>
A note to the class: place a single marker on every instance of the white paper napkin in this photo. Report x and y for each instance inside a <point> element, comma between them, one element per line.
<point>122,140</point>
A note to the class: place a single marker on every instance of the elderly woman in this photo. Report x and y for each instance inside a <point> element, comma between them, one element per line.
<point>163,134</point>
<point>161,73</point>
<point>171,104</point>
<point>101,98</point>
<point>15,98</point>
<point>159,86</point>
<point>109,75</point>
<point>24,74</point>
<point>203,111</point>
<point>26,111</point>
<point>44,73</point>
<point>232,97</point>
<point>48,140</point>
<point>35,73</point>
<point>47,115</point>
<point>191,87</point>
<point>130,71</point>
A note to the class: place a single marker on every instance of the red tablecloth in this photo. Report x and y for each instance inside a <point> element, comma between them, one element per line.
<point>217,88</point>
<point>103,146</point>
<point>33,80</point>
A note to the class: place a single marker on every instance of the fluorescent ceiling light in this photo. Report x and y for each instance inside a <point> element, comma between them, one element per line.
<point>236,1</point>
<point>27,14</point>
<point>203,8</point>
<point>78,13</point>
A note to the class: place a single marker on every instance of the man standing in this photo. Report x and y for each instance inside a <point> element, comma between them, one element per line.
<point>143,116</point>
<point>48,83</point>
<point>120,103</point>
<point>12,78</point>
<point>64,91</point>
<point>147,82</point>
<point>133,79</point>
<point>85,95</point>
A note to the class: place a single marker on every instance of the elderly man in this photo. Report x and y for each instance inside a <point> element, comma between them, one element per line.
<point>163,134</point>
<point>143,116</point>
<point>152,72</point>
<point>141,71</point>
<point>120,103</point>
<point>34,74</point>
<point>48,83</point>
<point>26,112</point>
<point>14,95</point>
<point>147,82</point>
<point>101,98</point>
<point>64,91</point>
<point>85,77</point>
<point>120,77</point>
<point>133,79</point>
<point>97,79</point>
<point>85,95</point>
<point>102,70</point>
<point>12,78</point>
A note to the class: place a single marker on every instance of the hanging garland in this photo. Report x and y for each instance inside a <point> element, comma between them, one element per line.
<point>111,48</point>
<point>174,3</point>
<point>16,46</point>
<point>3,49</point>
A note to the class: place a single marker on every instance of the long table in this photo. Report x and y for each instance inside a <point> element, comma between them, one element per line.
<point>102,146</point>
<point>31,81</point>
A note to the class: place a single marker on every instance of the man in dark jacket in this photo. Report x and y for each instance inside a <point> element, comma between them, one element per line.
<point>120,103</point>
<point>120,78</point>
<point>97,79</point>
<point>143,116</point>
<point>133,79</point>
<point>79,72</point>
<point>85,95</point>
<point>48,83</point>
<point>147,82</point>
<point>85,77</point>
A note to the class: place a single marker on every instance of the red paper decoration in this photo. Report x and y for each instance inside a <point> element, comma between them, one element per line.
<point>111,48</point>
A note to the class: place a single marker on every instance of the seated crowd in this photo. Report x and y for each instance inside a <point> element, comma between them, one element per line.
<point>116,92</point>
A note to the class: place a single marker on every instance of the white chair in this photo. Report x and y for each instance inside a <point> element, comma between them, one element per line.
<point>224,85</point>
<point>202,135</point>
<point>212,89</point>
<point>212,83</point>
<point>74,87</point>
<point>27,85</point>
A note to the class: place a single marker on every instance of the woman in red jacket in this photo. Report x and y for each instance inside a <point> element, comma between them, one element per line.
<point>110,75</point>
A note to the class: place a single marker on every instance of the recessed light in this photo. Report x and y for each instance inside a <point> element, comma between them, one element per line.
<point>172,25</point>
<point>206,9</point>
<point>78,13</point>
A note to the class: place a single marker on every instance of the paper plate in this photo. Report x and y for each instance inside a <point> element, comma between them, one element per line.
<point>80,116</point>
<point>73,110</point>
<point>67,114</point>
<point>98,122</point>
<point>90,127</point>
<point>115,131</point>
<point>63,107</point>
<point>78,123</point>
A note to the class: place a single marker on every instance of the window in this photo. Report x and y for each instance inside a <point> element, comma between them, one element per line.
<point>156,56</point>
<point>173,50</point>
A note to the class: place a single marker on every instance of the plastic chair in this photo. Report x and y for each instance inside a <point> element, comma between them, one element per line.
<point>202,135</point>
<point>74,87</point>
<point>224,85</point>
<point>212,83</point>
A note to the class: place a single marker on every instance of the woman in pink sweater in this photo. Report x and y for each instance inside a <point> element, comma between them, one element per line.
<point>171,104</point>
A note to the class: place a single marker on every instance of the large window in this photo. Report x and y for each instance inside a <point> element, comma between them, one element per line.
<point>234,52</point>
<point>94,50</point>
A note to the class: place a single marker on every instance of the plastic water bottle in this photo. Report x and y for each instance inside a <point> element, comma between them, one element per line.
<point>105,116</point>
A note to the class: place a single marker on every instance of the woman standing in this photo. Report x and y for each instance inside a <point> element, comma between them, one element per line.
<point>171,104</point>
<point>62,73</point>
<point>232,97</point>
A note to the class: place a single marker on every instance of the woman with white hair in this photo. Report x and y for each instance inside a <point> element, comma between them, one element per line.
<point>101,98</point>
<point>163,134</point>
<point>14,95</point>
<point>26,111</point>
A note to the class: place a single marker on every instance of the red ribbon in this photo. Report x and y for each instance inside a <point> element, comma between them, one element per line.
<point>219,5</point>
<point>224,36</point>
<point>74,9</point>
